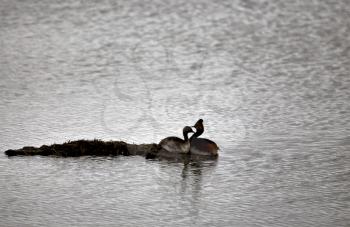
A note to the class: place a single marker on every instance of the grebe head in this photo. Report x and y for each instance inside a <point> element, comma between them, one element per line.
<point>200,121</point>
<point>187,130</point>
<point>199,127</point>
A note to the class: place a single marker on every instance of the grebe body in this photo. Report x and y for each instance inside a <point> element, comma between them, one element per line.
<point>176,145</point>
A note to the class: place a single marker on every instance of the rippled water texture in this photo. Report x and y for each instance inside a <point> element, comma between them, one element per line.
<point>270,79</point>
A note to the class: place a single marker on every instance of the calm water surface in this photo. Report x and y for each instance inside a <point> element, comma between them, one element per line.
<point>270,79</point>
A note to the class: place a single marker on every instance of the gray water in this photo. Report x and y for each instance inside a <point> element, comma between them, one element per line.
<point>270,79</point>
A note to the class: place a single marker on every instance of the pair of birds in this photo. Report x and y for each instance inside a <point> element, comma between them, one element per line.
<point>192,145</point>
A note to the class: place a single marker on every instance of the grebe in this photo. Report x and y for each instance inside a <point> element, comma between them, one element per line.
<point>202,146</point>
<point>176,145</point>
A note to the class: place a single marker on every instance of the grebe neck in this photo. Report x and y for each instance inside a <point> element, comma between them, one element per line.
<point>185,136</point>
<point>196,134</point>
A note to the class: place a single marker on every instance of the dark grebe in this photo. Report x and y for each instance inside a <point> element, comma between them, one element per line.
<point>202,146</point>
<point>176,145</point>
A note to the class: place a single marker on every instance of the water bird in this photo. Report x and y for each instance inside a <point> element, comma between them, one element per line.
<point>202,146</point>
<point>176,145</point>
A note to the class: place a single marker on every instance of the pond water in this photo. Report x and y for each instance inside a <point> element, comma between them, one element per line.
<point>270,79</point>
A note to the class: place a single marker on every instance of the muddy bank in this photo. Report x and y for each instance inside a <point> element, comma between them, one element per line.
<point>89,147</point>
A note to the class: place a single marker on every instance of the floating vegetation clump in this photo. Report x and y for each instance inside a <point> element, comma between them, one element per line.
<point>89,147</point>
